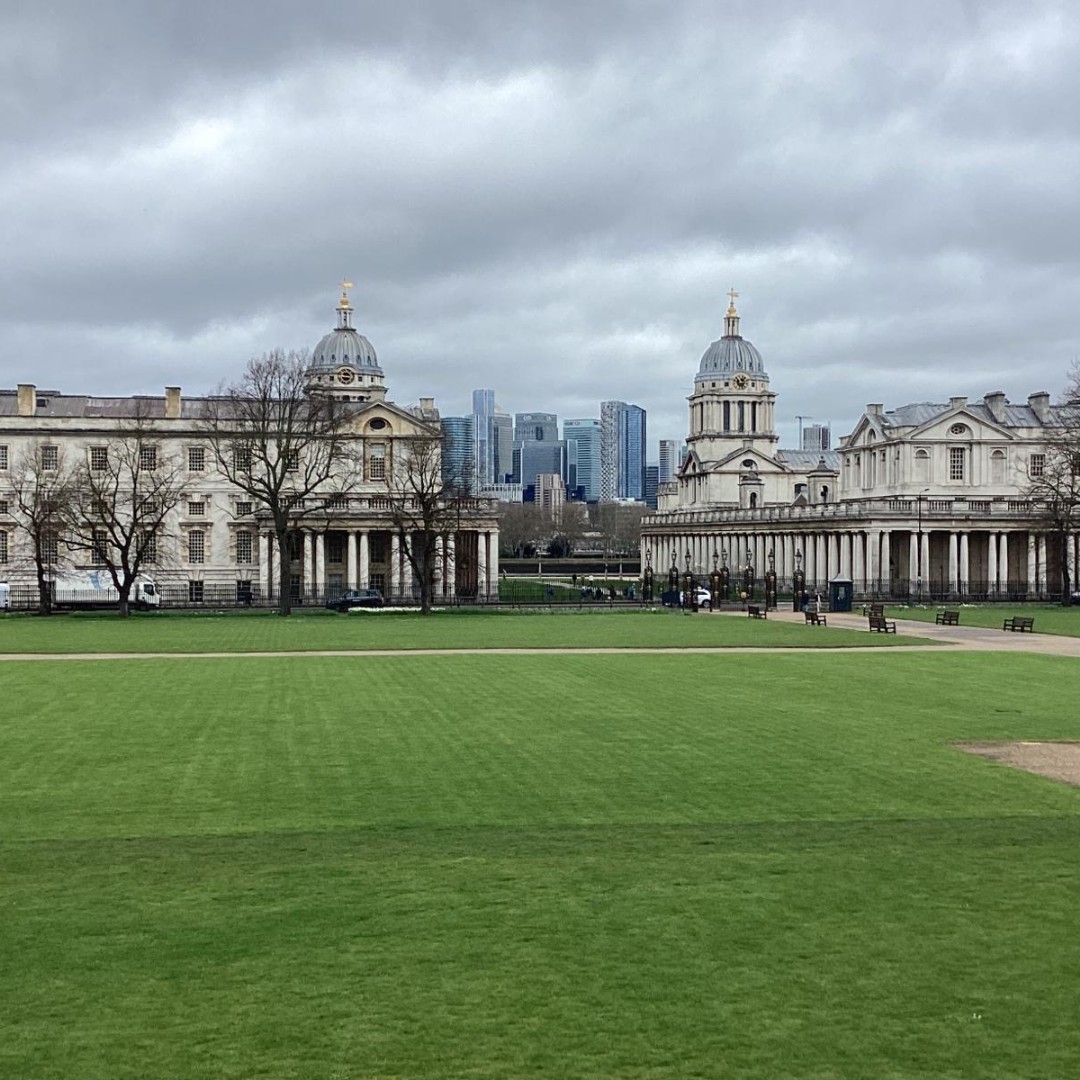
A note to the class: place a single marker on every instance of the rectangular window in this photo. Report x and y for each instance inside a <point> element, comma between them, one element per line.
<point>244,593</point>
<point>196,546</point>
<point>244,508</point>
<point>1037,465</point>
<point>101,545</point>
<point>377,461</point>
<point>243,548</point>
<point>4,507</point>
<point>3,457</point>
<point>727,415</point>
<point>3,547</point>
<point>335,548</point>
<point>196,458</point>
<point>196,509</point>
<point>241,459</point>
<point>195,592</point>
<point>148,458</point>
<point>292,463</point>
<point>50,458</point>
<point>99,458</point>
<point>50,550</point>
<point>149,547</point>
<point>956,463</point>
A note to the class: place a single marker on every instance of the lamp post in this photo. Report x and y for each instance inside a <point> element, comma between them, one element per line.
<point>673,580</point>
<point>688,584</point>
<point>724,574</point>
<point>770,582</point>
<point>714,581</point>
<point>647,577</point>
<point>798,583</point>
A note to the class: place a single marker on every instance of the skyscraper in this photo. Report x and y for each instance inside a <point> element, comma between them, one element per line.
<point>652,480</point>
<point>483,411</point>
<point>622,451</point>
<point>816,437</point>
<point>536,447</point>
<point>502,446</point>
<point>459,452</point>
<point>669,460</point>
<point>582,439</point>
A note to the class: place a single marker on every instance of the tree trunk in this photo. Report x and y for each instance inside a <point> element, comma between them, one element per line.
<point>44,593</point>
<point>284,572</point>
<point>125,601</point>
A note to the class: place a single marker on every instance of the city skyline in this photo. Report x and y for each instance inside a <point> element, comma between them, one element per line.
<point>552,204</point>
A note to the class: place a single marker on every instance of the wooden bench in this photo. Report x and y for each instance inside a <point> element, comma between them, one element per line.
<point>948,618</point>
<point>880,625</point>
<point>1020,623</point>
<point>815,618</point>
<point>874,611</point>
<point>756,612</point>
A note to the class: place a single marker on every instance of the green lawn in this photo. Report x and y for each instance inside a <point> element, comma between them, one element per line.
<point>1049,618</point>
<point>524,866</point>
<point>259,631</point>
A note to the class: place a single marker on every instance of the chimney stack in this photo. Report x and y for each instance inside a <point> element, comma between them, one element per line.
<point>957,402</point>
<point>172,402</point>
<point>875,409</point>
<point>27,399</point>
<point>1040,405</point>
<point>995,402</point>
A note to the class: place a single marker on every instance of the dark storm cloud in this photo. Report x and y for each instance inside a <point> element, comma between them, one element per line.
<point>550,199</point>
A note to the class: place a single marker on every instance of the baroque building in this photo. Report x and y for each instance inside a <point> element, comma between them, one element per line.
<point>924,500</point>
<point>217,546</point>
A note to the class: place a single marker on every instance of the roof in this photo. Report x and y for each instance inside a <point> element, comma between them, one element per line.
<point>918,413</point>
<point>807,460</point>
<point>728,355</point>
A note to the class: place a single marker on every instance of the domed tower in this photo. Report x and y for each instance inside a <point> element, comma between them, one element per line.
<point>732,404</point>
<point>344,362</point>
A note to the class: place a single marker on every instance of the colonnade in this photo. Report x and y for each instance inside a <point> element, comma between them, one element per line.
<point>356,571</point>
<point>878,560</point>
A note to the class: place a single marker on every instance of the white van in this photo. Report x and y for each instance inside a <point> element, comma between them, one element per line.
<point>5,596</point>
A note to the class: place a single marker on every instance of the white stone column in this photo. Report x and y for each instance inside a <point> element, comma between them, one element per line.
<point>1003,562</point>
<point>493,562</point>
<point>962,583</point>
<point>913,562</point>
<point>450,569</point>
<point>992,562</point>
<point>924,544</point>
<point>1044,578</point>
<point>320,564</point>
<point>307,578</point>
<point>858,561</point>
<point>1070,548</point>
<point>1032,564</point>
<point>886,559</point>
<point>266,548</point>
<point>482,583</point>
<point>873,564</point>
<point>351,581</point>
<point>393,573</point>
<point>834,558</point>
<point>954,561</point>
<point>364,570</point>
<point>845,554</point>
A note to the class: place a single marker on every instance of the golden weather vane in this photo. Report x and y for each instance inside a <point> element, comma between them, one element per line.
<point>346,285</point>
<point>732,297</point>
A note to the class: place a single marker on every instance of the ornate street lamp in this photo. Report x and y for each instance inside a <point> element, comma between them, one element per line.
<point>798,584</point>
<point>770,581</point>
<point>714,581</point>
<point>688,584</point>
<point>673,579</point>
<point>725,575</point>
<point>647,577</point>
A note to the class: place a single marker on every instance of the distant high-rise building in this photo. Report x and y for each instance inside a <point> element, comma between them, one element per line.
<point>622,451</point>
<point>536,447</point>
<point>483,412</point>
<point>483,402</point>
<point>459,452</point>
<point>652,482</point>
<point>816,437</point>
<point>502,446</point>
<point>550,494</point>
<point>669,460</point>
<point>582,439</point>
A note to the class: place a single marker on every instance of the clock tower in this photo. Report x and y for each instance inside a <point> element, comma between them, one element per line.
<point>344,363</point>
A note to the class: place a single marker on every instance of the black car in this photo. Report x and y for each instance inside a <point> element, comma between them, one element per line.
<point>356,598</point>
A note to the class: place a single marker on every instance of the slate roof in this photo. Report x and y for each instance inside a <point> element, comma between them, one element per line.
<point>806,460</point>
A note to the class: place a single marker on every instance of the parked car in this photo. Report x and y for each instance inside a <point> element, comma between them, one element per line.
<point>702,597</point>
<point>354,598</point>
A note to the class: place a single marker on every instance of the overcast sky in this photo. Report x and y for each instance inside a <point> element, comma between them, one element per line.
<point>546,198</point>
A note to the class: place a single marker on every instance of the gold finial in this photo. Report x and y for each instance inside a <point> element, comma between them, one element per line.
<point>345,286</point>
<point>732,297</point>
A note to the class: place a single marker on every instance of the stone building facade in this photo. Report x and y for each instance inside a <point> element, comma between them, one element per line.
<point>926,500</point>
<point>217,546</point>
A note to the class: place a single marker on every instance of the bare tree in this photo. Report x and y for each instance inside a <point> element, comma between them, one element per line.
<point>44,488</point>
<point>122,493</point>
<point>618,526</point>
<point>1054,482</point>
<point>281,446</point>
<point>520,529</point>
<point>427,502</point>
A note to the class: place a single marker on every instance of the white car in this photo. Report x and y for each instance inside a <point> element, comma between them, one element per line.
<point>702,597</point>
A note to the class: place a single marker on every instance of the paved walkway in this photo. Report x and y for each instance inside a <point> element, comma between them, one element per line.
<point>968,638</point>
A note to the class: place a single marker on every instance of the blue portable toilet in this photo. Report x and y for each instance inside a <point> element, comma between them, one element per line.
<point>840,593</point>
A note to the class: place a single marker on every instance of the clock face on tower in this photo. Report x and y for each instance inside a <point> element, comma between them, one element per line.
<point>741,381</point>
<point>345,376</point>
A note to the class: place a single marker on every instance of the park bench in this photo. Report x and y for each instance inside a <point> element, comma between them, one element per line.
<point>815,618</point>
<point>756,612</point>
<point>1020,623</point>
<point>948,618</point>
<point>874,611</point>
<point>880,625</point>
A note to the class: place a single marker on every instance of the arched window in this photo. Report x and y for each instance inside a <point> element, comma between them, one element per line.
<point>922,465</point>
<point>753,500</point>
<point>997,467</point>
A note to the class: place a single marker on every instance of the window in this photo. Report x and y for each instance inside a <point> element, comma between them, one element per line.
<point>149,547</point>
<point>997,467</point>
<point>101,545</point>
<point>99,458</point>
<point>958,429</point>
<point>50,550</point>
<point>244,593</point>
<point>292,462</point>
<point>149,507</point>
<point>241,457</point>
<point>377,461</point>
<point>956,463</point>
<point>196,546</point>
<point>1037,465</point>
<point>922,465</point>
<point>195,592</point>
<point>148,458</point>
<point>196,458</point>
<point>50,458</point>
<point>243,548</point>
<point>335,548</point>
<point>196,509</point>
<point>244,508</point>
<point>4,507</point>
<point>3,457</point>
<point>3,547</point>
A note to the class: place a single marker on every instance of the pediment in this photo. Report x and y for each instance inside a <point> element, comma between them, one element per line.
<point>939,427</point>
<point>398,421</point>
<point>866,426</point>
<point>733,462</point>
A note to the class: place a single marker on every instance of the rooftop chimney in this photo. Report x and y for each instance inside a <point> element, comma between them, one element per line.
<point>27,399</point>
<point>995,402</point>
<point>172,403</point>
<point>875,409</point>
<point>957,402</point>
<point>1040,405</point>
